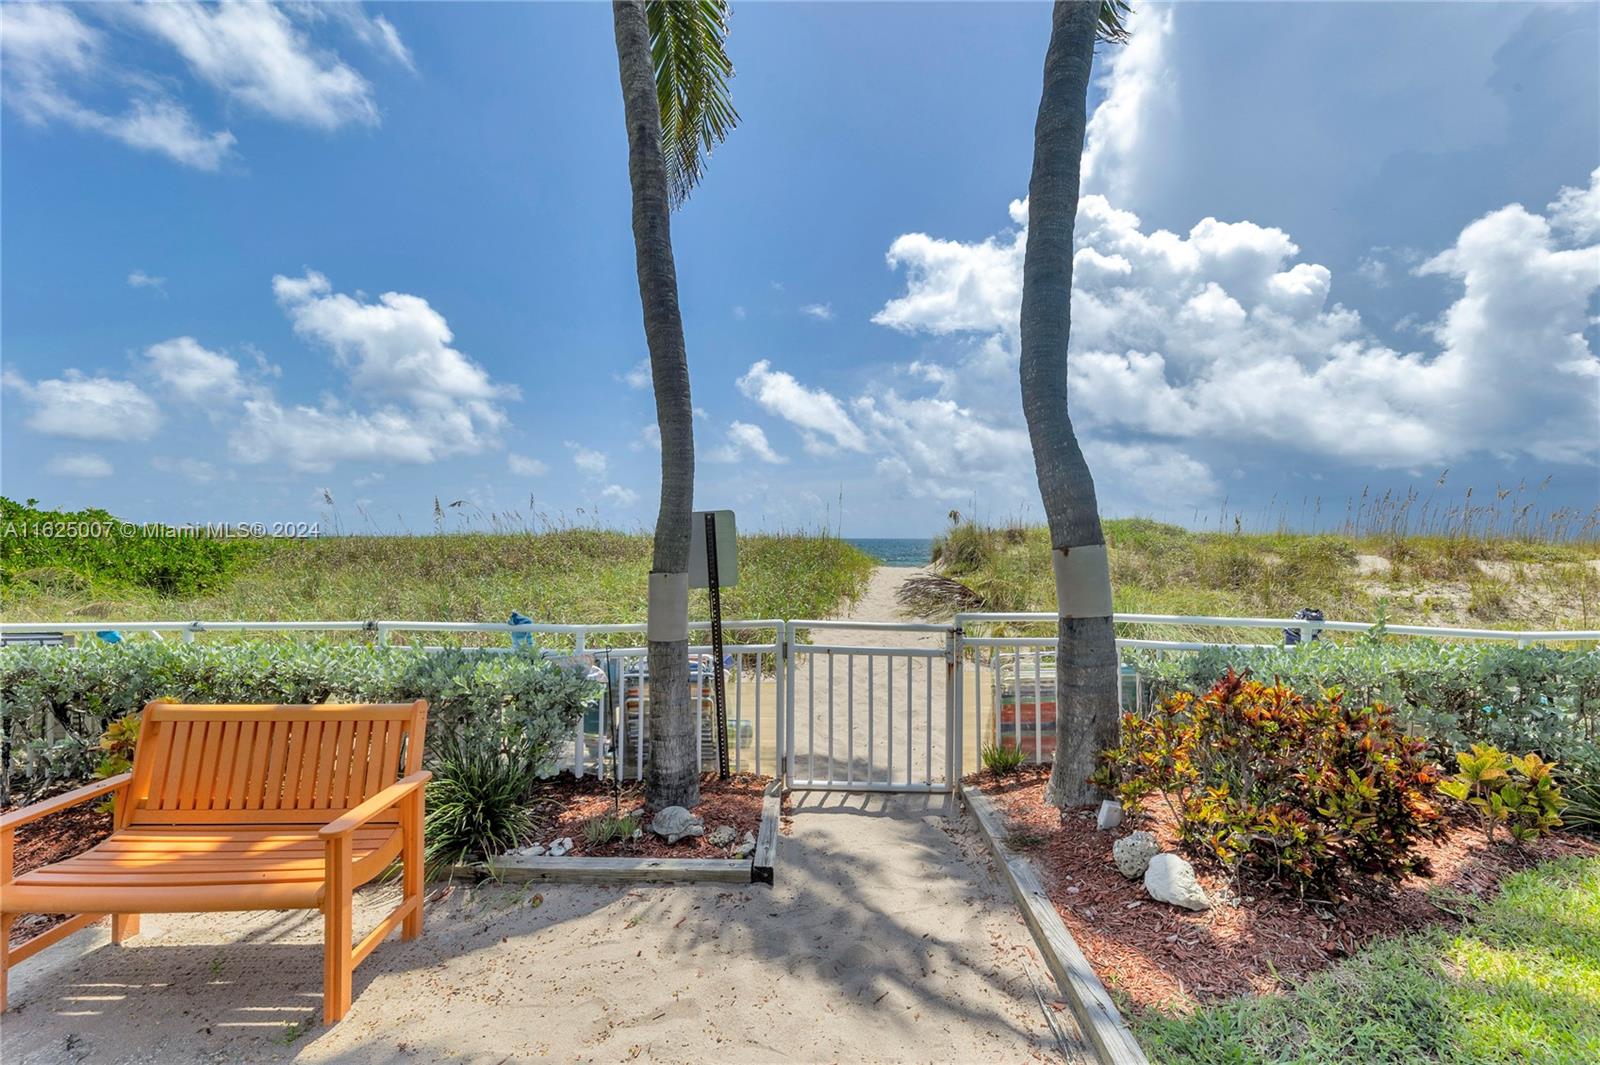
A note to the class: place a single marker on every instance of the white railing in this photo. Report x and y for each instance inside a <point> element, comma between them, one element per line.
<point>1020,688</point>
<point>1305,627</point>
<point>601,739</point>
<point>763,707</point>
<point>381,630</point>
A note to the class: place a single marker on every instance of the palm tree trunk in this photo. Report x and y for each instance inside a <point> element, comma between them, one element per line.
<point>1086,654</point>
<point>673,778</point>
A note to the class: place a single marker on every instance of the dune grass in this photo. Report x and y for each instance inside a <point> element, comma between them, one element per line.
<point>574,575</point>
<point>1520,982</point>
<point>1487,582</point>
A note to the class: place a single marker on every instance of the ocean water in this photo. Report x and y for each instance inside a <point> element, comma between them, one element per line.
<point>895,552</point>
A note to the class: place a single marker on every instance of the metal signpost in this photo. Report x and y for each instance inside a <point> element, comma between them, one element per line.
<point>721,567</point>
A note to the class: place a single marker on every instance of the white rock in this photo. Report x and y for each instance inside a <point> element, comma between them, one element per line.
<point>745,846</point>
<point>675,822</point>
<point>535,850</point>
<point>1170,879</point>
<point>723,835</point>
<point>1132,853</point>
<point>560,847</point>
<point>1110,816</point>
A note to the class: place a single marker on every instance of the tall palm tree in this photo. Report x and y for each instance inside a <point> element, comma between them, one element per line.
<point>1086,651</point>
<point>675,71</point>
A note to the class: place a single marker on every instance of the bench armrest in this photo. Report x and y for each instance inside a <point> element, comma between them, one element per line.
<point>351,820</point>
<point>18,818</point>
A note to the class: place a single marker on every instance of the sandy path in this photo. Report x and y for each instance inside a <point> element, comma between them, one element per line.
<point>885,711</point>
<point>886,939</point>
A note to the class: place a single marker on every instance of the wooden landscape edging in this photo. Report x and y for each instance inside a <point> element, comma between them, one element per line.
<point>757,869</point>
<point>1097,1015</point>
<point>765,857</point>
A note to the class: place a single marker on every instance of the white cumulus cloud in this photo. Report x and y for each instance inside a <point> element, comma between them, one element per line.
<point>413,397</point>
<point>1139,108</point>
<point>588,460</point>
<point>745,440</point>
<point>194,374</point>
<point>1575,211</point>
<point>87,408</point>
<point>822,420</point>
<point>1196,337</point>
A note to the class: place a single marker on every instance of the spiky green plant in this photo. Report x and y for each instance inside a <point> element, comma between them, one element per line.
<point>478,801</point>
<point>1003,761</point>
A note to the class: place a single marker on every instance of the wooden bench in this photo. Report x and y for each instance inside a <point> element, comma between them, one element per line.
<point>242,808</point>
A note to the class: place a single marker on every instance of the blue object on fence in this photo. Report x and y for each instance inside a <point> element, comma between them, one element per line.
<point>110,635</point>
<point>521,639</point>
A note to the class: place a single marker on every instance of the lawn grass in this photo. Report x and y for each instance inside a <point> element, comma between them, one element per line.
<point>1423,579</point>
<point>572,575</point>
<point>1520,982</point>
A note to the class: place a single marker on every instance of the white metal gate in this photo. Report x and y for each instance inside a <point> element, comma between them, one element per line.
<point>870,707</point>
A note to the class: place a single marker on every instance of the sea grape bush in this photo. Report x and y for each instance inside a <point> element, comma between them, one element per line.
<point>531,700</point>
<point>90,549</point>
<point>1518,792</point>
<point>1268,781</point>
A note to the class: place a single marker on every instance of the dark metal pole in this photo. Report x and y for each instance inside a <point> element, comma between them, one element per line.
<point>716,645</point>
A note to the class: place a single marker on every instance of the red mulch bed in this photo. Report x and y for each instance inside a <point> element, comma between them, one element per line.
<point>52,839</point>
<point>1159,955</point>
<point>735,801</point>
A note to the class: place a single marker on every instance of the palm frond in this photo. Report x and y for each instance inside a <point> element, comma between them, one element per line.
<point>1113,25</point>
<point>688,49</point>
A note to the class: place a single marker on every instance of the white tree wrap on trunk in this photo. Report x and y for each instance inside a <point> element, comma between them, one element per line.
<point>668,617</point>
<point>1083,581</point>
<point>1086,652</point>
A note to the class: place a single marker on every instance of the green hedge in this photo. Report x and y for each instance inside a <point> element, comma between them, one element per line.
<point>1519,699</point>
<point>83,689</point>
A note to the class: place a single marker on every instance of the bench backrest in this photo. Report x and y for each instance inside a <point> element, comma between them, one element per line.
<point>266,764</point>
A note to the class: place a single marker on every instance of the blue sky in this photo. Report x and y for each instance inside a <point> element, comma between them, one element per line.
<point>252,256</point>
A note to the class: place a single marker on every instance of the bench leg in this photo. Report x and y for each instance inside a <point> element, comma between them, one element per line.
<point>124,926</point>
<point>337,955</point>
<point>6,922</point>
<point>411,859</point>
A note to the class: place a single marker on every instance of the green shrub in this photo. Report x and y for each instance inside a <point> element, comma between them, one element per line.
<point>1516,698</point>
<point>1003,761</point>
<point>1520,793</point>
<point>1300,789</point>
<point>478,799</point>
<point>56,702</point>
<point>88,549</point>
